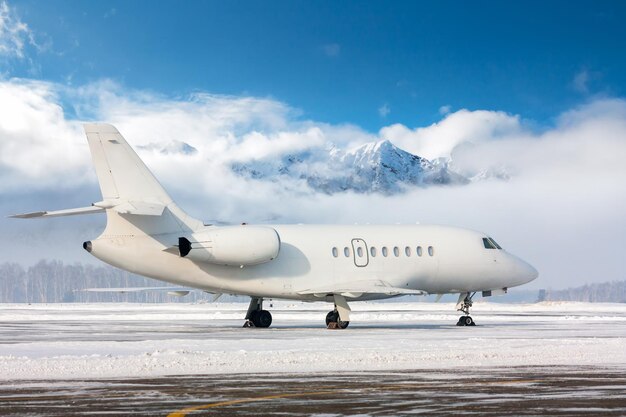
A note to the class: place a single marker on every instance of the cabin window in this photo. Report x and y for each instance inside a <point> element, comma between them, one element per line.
<point>359,251</point>
<point>384,251</point>
<point>346,252</point>
<point>419,251</point>
<point>431,251</point>
<point>407,251</point>
<point>396,251</point>
<point>373,251</point>
<point>335,252</point>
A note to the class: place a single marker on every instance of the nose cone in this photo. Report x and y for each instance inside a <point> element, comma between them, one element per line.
<point>525,272</point>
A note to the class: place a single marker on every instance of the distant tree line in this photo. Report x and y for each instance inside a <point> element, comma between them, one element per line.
<point>54,282</point>
<point>605,292</point>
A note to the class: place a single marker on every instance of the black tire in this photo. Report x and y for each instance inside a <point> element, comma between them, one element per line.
<point>468,321</point>
<point>262,318</point>
<point>461,322</point>
<point>332,317</point>
<point>342,324</point>
<point>254,318</point>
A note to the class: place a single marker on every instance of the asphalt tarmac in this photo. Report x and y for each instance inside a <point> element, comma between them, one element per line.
<point>521,391</point>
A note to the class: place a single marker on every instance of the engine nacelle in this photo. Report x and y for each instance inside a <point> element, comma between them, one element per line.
<point>232,245</point>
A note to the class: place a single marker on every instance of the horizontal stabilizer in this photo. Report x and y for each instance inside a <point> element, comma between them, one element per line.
<point>357,289</point>
<point>139,208</point>
<point>59,213</point>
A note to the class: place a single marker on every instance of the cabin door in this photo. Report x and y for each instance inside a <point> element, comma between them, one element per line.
<point>359,250</point>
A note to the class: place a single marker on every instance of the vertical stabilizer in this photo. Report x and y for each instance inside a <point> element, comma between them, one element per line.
<point>121,174</point>
<point>133,198</point>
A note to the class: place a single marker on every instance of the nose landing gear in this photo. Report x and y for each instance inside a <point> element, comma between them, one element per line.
<point>464,304</point>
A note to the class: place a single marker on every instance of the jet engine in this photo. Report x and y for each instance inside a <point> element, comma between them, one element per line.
<point>232,245</point>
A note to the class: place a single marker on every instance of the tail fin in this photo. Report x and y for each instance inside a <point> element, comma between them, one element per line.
<point>134,201</point>
<point>133,198</point>
<point>121,174</point>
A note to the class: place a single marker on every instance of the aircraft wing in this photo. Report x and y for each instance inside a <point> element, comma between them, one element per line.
<point>359,288</point>
<point>176,291</point>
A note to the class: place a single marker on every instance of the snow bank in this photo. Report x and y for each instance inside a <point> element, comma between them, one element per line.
<point>124,340</point>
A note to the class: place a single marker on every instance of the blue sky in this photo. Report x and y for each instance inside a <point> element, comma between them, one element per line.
<point>367,63</point>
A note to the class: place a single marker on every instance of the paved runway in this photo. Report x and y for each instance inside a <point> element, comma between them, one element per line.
<point>395,359</point>
<point>527,391</point>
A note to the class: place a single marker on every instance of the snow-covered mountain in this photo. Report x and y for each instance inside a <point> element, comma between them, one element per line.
<point>377,167</point>
<point>172,147</point>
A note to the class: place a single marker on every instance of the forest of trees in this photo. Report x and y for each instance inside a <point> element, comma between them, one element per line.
<point>55,282</point>
<point>605,292</point>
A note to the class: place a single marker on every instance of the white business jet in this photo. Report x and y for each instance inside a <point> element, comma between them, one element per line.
<point>148,234</point>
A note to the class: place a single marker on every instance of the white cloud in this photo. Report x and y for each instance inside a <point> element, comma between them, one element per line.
<point>38,146</point>
<point>384,110</point>
<point>562,210</point>
<point>464,126</point>
<point>14,34</point>
<point>443,110</point>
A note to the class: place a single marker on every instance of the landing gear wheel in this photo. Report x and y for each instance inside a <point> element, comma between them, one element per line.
<point>464,304</point>
<point>256,316</point>
<point>466,321</point>
<point>332,317</point>
<point>261,318</point>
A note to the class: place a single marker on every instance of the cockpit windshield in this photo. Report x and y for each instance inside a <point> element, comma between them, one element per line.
<point>490,243</point>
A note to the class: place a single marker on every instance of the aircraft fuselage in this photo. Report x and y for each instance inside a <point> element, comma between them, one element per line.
<point>433,259</point>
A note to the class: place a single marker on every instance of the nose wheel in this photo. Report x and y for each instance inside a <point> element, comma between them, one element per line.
<point>464,304</point>
<point>465,321</point>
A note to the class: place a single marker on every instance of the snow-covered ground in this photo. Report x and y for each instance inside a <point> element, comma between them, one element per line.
<point>59,341</point>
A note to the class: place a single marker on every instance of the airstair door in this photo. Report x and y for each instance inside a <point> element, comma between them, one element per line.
<point>359,249</point>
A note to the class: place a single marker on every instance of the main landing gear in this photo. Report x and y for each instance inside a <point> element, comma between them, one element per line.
<point>256,316</point>
<point>464,304</point>
<point>333,321</point>
<point>341,311</point>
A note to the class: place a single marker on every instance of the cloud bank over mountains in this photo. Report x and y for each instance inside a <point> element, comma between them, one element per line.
<point>552,194</point>
<point>42,123</point>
